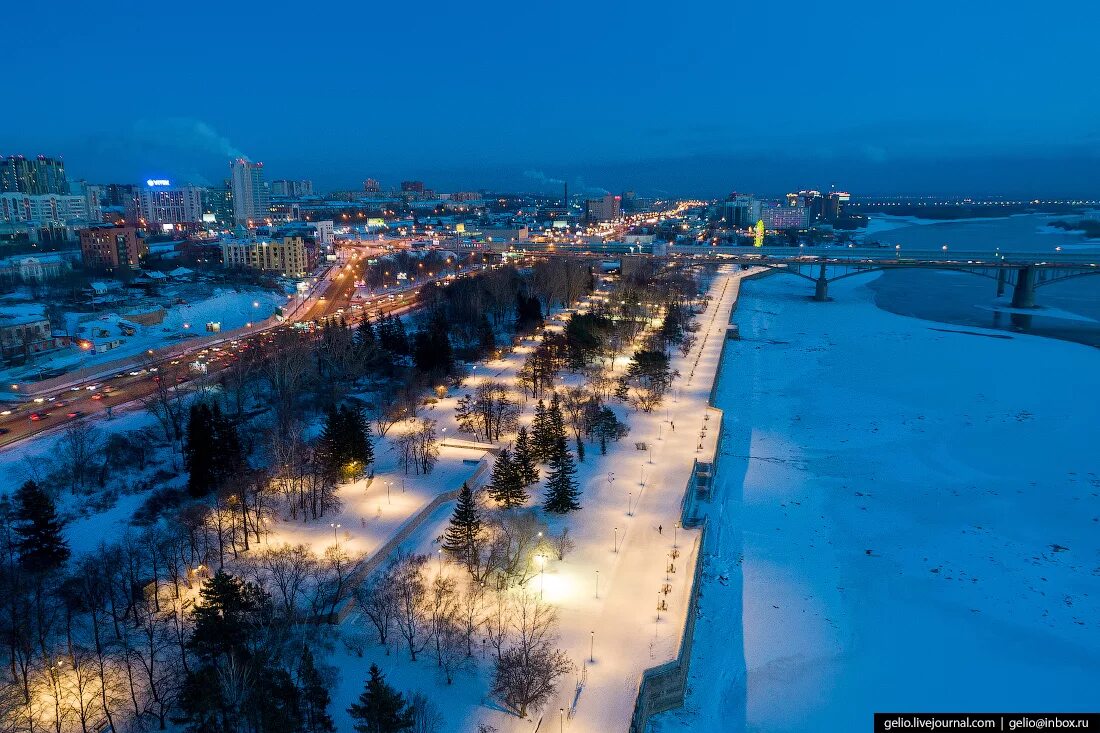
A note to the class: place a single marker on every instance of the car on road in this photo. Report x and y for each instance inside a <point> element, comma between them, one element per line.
<point>36,416</point>
<point>75,414</point>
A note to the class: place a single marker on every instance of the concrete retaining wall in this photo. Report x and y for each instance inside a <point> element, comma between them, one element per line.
<point>663,687</point>
<point>412,524</point>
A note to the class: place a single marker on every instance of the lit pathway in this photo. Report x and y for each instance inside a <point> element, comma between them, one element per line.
<point>628,637</point>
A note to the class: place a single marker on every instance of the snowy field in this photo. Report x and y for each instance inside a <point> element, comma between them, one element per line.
<point>907,518</point>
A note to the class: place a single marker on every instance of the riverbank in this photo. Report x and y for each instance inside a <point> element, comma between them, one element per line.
<point>905,517</point>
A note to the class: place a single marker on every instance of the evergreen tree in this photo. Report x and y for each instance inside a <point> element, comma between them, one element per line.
<point>524,460</point>
<point>227,617</point>
<point>486,339</point>
<point>561,487</point>
<point>38,538</point>
<point>228,456</point>
<point>464,532</point>
<point>541,438</point>
<point>199,449</point>
<point>365,335</point>
<point>555,421</point>
<point>432,351</point>
<point>345,442</point>
<point>381,708</point>
<point>314,696</point>
<point>505,485</point>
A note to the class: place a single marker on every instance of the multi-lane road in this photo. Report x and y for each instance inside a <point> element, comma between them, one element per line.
<point>100,397</point>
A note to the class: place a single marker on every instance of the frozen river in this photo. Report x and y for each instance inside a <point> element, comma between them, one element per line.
<point>907,518</point>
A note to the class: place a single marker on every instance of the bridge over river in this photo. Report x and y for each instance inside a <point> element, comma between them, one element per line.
<point>1024,272</point>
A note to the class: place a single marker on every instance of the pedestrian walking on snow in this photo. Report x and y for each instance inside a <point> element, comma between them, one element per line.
<point>660,529</point>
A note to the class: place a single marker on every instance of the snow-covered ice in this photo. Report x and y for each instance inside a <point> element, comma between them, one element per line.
<point>906,517</point>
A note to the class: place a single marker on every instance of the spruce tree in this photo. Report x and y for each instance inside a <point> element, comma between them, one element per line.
<point>227,458</point>
<point>365,335</point>
<point>38,538</point>
<point>314,697</point>
<point>541,438</point>
<point>464,532</point>
<point>345,442</point>
<point>486,339</point>
<point>561,487</point>
<point>381,708</point>
<point>524,460</point>
<point>199,448</point>
<point>505,485</point>
<point>555,420</point>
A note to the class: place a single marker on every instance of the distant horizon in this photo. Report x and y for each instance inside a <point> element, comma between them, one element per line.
<point>534,181</point>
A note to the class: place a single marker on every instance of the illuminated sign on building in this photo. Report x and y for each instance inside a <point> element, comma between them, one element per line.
<point>158,182</point>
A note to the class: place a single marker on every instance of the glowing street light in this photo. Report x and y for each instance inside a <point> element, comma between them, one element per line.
<point>335,539</point>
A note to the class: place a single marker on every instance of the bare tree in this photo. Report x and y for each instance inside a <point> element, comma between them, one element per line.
<point>488,412</point>
<point>378,598</point>
<point>287,570</point>
<point>426,717</point>
<point>79,445</point>
<point>411,589</point>
<point>527,672</point>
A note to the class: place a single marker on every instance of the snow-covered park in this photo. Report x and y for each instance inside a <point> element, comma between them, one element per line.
<point>907,517</point>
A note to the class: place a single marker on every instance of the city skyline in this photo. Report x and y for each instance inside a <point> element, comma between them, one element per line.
<point>759,98</point>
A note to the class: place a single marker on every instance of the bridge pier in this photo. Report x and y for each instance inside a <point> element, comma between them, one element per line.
<point>1000,281</point>
<point>821,286</point>
<point>1023,294</point>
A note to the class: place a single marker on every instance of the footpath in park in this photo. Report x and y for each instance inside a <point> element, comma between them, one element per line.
<point>628,638</point>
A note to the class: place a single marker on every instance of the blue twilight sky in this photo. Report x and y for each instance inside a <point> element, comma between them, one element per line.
<point>687,97</point>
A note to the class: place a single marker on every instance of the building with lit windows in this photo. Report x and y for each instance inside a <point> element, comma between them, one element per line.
<point>777,216</point>
<point>45,209</point>
<point>160,203</point>
<point>251,199</point>
<point>109,249</point>
<point>289,256</point>
<point>605,208</point>
<point>35,176</point>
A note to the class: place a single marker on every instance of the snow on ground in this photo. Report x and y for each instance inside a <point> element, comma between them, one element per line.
<point>373,513</point>
<point>906,518</point>
<point>232,308</point>
<point>628,637</point>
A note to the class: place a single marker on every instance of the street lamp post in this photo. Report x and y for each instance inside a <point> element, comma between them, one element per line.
<point>597,585</point>
<point>542,575</point>
<point>592,647</point>
<point>335,539</point>
<point>630,504</point>
<point>615,544</point>
<point>675,534</point>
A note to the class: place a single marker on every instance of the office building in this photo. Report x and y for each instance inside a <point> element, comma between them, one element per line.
<point>326,232</point>
<point>738,211</point>
<point>110,249</point>
<point>251,200</point>
<point>834,205</point>
<point>217,204</point>
<point>412,186</point>
<point>160,203</point>
<point>605,208</point>
<point>34,176</point>
<point>371,186</point>
<point>290,256</point>
<point>291,188</point>
<point>778,216</point>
